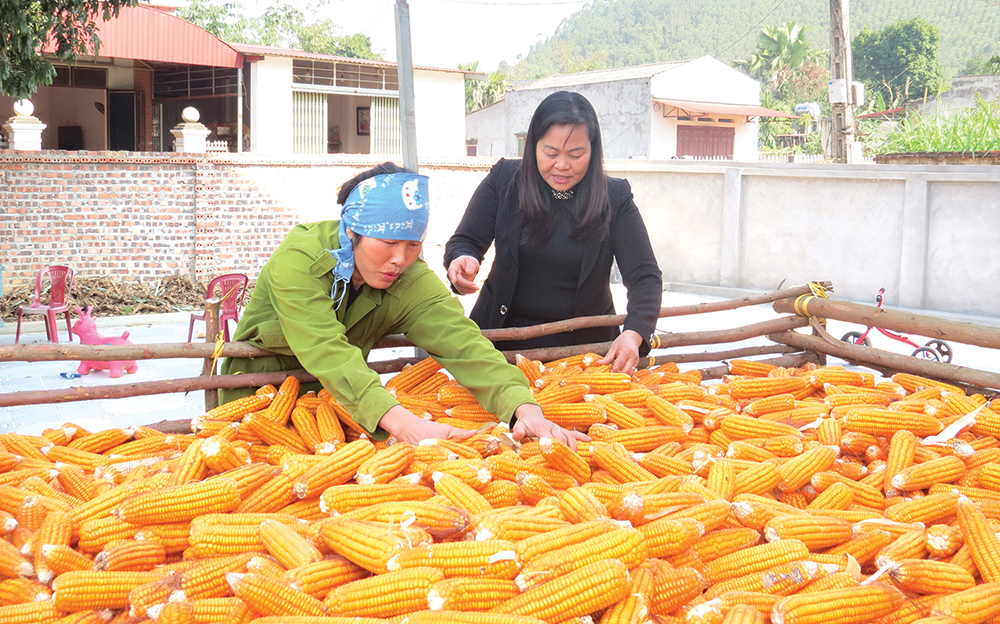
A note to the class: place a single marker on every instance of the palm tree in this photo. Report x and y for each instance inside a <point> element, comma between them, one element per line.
<point>780,50</point>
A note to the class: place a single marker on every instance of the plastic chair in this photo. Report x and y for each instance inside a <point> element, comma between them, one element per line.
<point>61,279</point>
<point>230,307</point>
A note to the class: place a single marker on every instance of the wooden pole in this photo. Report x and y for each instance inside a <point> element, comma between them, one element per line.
<point>211,335</point>
<point>785,361</point>
<point>187,384</point>
<point>889,361</point>
<point>152,351</point>
<point>871,316</point>
<point>612,320</point>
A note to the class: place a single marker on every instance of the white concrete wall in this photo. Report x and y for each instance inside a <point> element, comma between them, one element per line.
<point>928,234</point>
<point>962,95</point>
<point>488,126</point>
<point>271,106</point>
<point>622,111</point>
<point>439,106</point>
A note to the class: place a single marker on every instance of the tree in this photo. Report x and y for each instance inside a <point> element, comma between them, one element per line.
<point>900,60</point>
<point>482,93</point>
<point>980,66</point>
<point>69,26</point>
<point>281,25</point>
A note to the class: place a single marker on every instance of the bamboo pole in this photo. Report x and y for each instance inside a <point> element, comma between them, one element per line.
<point>871,316</point>
<point>889,361</point>
<point>211,335</point>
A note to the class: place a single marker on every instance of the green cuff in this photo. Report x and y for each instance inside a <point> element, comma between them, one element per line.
<point>510,400</point>
<point>371,409</point>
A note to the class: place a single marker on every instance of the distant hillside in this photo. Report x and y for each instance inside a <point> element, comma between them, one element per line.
<point>619,33</point>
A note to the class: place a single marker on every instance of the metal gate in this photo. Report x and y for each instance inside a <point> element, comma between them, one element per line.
<point>386,132</point>
<point>309,119</point>
<point>705,141</point>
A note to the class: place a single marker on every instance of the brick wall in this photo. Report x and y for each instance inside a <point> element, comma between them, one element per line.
<point>144,216</point>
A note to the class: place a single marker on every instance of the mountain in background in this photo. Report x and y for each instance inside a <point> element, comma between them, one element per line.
<point>621,33</point>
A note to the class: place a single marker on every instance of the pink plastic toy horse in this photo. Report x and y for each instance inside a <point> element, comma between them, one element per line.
<point>86,328</point>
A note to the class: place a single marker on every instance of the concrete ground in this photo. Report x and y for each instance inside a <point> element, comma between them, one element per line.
<point>166,328</point>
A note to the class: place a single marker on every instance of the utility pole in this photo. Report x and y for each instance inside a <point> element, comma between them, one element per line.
<point>404,63</point>
<point>842,76</point>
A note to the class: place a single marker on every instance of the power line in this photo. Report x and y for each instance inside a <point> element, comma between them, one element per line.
<point>753,29</point>
<point>527,4</point>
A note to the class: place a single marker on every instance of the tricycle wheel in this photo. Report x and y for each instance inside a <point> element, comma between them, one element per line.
<point>853,337</point>
<point>941,347</point>
<point>926,353</point>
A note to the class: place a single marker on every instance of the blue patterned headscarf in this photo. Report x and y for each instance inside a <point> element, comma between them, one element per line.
<point>391,207</point>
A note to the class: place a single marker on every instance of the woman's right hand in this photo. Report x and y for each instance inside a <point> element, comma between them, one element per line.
<point>405,426</point>
<point>461,273</point>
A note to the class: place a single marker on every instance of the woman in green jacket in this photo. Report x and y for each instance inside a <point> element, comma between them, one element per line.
<point>333,288</point>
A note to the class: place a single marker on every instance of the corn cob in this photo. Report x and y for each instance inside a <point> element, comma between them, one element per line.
<point>886,422</point>
<point>942,540</point>
<point>345,498</point>
<point>317,579</point>
<point>268,596</point>
<point>411,376</point>
<point>469,594</point>
<point>580,505</point>
<point>484,559</point>
<point>17,591</point>
<point>583,591</point>
<point>797,471</point>
<point>180,503</point>
<point>922,476</point>
<point>816,532</point>
<point>971,606</point>
<point>739,427</point>
<point>538,545</point>
<point>381,466</point>
<point>670,536</point>
<point>83,590</point>
<point>370,545</point>
<point>930,577</point>
<point>133,556</point>
<point>757,387</point>
<point>43,611</point>
<point>459,493</point>
<point>839,606</point>
<point>674,587</point>
<point>287,546</point>
<point>981,539</point>
<point>755,559</point>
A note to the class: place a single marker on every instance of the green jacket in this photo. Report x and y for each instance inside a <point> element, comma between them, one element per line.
<point>291,313</point>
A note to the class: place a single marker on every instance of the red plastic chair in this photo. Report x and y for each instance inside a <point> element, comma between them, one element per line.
<point>230,307</point>
<point>61,279</point>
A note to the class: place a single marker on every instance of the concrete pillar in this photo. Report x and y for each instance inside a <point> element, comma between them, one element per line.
<point>24,131</point>
<point>731,262</point>
<point>191,135</point>
<point>913,246</point>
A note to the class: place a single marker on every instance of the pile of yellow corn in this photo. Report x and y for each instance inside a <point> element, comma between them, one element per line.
<point>790,496</point>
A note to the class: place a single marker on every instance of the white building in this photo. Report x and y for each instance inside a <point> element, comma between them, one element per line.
<point>700,108</point>
<point>316,103</point>
<point>152,64</point>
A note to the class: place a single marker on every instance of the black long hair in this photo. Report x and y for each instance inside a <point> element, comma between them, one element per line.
<point>534,194</point>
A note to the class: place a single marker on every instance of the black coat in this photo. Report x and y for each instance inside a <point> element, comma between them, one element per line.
<point>493,217</point>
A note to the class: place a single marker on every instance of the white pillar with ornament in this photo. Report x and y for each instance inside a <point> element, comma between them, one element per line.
<point>190,136</point>
<point>24,131</point>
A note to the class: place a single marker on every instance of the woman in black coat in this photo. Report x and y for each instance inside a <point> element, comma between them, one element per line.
<point>558,222</point>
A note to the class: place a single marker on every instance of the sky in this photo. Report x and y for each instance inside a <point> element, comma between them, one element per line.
<point>445,33</point>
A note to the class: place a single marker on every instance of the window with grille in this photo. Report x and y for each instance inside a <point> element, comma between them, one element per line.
<point>309,120</point>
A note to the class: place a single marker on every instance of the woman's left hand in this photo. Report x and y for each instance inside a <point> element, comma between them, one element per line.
<point>531,422</point>
<point>624,352</point>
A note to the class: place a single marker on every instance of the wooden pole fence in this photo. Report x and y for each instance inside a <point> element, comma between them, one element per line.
<point>885,360</point>
<point>906,322</point>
